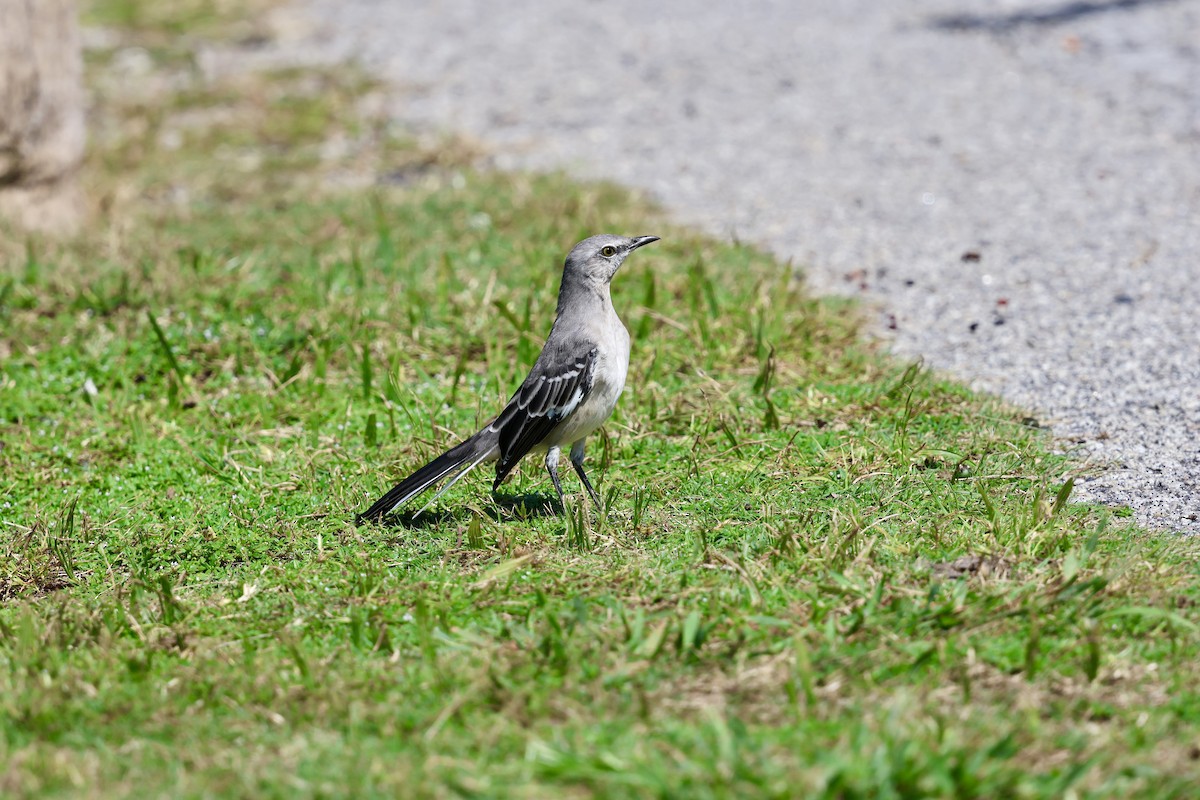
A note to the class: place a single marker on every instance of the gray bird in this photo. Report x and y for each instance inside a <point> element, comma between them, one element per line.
<point>571,390</point>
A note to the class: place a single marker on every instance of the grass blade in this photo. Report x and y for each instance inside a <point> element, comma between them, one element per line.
<point>1064,494</point>
<point>165,347</point>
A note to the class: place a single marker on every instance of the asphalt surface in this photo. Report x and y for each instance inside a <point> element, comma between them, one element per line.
<point>1012,187</point>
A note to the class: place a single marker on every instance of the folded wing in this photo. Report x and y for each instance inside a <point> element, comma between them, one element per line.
<point>556,386</point>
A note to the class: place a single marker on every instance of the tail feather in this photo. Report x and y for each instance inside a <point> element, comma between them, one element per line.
<point>463,457</point>
<point>446,487</point>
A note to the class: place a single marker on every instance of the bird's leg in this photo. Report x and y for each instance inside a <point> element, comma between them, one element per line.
<point>552,468</point>
<point>577,463</point>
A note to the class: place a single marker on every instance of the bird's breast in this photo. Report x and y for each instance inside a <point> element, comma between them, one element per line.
<point>608,381</point>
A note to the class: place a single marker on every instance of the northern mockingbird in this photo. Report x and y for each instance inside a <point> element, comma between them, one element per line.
<point>571,390</point>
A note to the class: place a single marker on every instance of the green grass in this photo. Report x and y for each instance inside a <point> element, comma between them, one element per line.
<point>819,573</point>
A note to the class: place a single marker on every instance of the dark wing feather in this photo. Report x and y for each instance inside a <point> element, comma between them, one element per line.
<point>555,388</point>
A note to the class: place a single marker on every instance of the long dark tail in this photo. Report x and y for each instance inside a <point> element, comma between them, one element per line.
<point>462,459</point>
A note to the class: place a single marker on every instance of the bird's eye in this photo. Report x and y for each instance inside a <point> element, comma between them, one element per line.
<point>608,251</point>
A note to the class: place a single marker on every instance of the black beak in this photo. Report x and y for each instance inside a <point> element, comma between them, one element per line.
<point>638,241</point>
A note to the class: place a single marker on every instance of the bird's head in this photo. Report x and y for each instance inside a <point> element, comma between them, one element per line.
<point>597,258</point>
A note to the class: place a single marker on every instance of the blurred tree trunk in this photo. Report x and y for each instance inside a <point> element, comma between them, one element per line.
<point>41,114</point>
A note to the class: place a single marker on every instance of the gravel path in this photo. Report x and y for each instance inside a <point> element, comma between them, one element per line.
<point>1015,186</point>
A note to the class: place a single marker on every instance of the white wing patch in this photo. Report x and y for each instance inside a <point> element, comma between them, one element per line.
<point>566,408</point>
